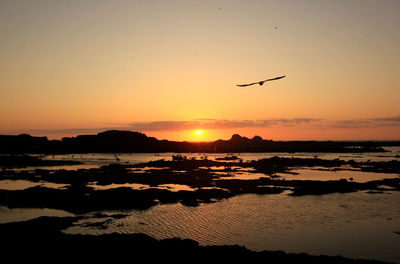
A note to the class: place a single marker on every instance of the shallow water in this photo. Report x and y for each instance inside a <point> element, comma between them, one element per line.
<point>241,175</point>
<point>60,167</point>
<point>14,185</point>
<point>93,160</point>
<point>358,225</point>
<point>329,175</point>
<point>138,186</point>
<point>8,215</point>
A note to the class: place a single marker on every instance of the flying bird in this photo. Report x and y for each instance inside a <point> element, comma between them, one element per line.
<point>261,82</point>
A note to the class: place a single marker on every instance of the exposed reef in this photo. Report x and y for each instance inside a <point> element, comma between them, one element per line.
<point>206,180</point>
<point>231,157</point>
<point>42,240</point>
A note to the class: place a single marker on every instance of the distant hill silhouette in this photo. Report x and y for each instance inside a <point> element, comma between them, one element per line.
<point>127,141</point>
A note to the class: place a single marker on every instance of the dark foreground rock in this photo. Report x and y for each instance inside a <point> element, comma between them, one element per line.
<point>41,240</point>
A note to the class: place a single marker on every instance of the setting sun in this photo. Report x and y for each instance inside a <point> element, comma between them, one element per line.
<point>199,132</point>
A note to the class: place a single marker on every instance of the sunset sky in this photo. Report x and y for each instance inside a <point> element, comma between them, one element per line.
<point>169,68</point>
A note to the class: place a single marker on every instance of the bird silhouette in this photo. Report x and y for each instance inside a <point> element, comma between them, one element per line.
<point>261,82</point>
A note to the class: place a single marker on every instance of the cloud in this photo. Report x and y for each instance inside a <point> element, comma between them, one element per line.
<point>205,123</point>
<point>215,124</point>
<point>74,130</point>
<point>367,122</point>
<point>395,119</point>
<point>209,123</point>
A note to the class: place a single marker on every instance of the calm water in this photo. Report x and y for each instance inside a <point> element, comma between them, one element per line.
<point>14,185</point>
<point>93,160</point>
<point>328,175</point>
<point>8,215</point>
<point>360,224</point>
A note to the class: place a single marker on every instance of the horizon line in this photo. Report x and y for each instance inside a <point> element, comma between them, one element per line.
<point>193,141</point>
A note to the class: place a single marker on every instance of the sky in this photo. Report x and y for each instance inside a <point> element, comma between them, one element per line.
<point>169,68</point>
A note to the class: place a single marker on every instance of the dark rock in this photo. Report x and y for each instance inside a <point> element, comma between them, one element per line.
<point>78,197</point>
<point>115,141</point>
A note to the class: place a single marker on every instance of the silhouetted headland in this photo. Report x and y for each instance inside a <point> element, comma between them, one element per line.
<point>126,141</point>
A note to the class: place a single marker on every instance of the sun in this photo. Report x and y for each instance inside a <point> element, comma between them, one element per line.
<point>199,132</point>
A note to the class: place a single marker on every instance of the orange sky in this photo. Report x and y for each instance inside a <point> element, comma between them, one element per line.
<point>169,68</point>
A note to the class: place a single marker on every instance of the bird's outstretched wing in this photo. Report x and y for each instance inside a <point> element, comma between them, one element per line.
<point>273,79</point>
<point>244,85</point>
<point>261,82</point>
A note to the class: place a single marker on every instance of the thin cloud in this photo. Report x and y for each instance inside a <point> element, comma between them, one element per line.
<point>395,119</point>
<point>206,123</point>
<point>215,124</point>
<point>367,122</point>
<point>76,130</point>
<point>209,123</point>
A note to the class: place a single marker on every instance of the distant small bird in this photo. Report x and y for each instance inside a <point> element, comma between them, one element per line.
<point>261,82</point>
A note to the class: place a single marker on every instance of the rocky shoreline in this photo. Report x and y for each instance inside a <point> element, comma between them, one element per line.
<point>92,190</point>
<point>42,240</point>
<point>110,187</point>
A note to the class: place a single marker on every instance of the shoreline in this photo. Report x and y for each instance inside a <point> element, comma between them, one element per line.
<point>44,235</point>
<point>210,181</point>
<point>207,180</point>
<point>118,141</point>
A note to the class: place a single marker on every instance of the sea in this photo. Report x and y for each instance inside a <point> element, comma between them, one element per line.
<point>356,225</point>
